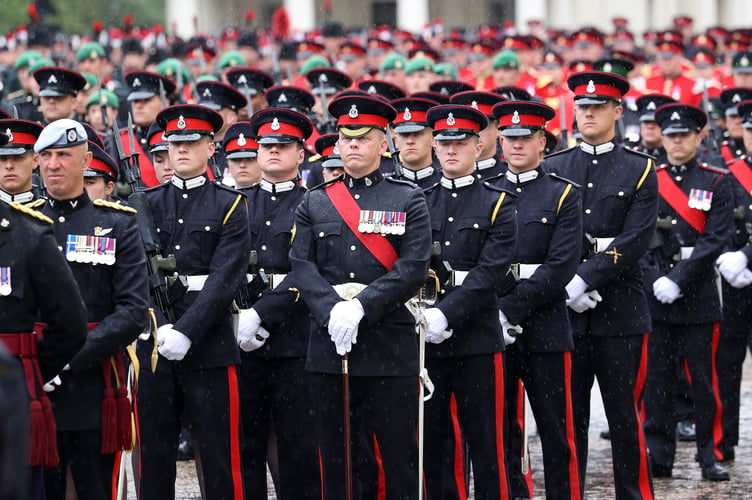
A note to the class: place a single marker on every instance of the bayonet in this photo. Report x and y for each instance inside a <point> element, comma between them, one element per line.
<point>103,108</point>
<point>162,94</point>
<point>15,112</point>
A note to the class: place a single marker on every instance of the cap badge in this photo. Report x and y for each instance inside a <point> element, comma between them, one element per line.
<point>242,79</point>
<point>353,112</point>
<point>136,82</point>
<point>444,91</point>
<point>736,98</point>
<point>651,105</point>
<point>282,98</point>
<point>516,118</point>
<point>52,79</point>
<point>675,116</point>
<point>372,90</point>
<point>72,135</point>
<point>164,137</point>
<point>323,78</point>
<point>590,87</point>
<point>275,124</point>
<point>407,115</point>
<point>9,134</point>
<point>607,67</point>
<point>474,105</point>
<point>207,93</point>
<point>336,149</point>
<point>744,61</point>
<point>241,140</point>
<point>450,120</point>
<point>181,122</point>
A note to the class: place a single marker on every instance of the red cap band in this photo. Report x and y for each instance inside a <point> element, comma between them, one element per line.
<point>279,128</point>
<point>597,89</point>
<point>410,116</point>
<point>517,119</point>
<point>363,120</point>
<point>235,144</point>
<point>22,138</point>
<point>189,124</point>
<point>456,123</point>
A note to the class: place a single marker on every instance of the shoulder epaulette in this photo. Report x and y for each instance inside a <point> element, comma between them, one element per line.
<point>560,152</point>
<point>36,203</point>
<point>228,188</point>
<point>15,95</point>
<point>314,158</point>
<point>31,212</point>
<point>712,168</point>
<point>639,153</point>
<point>387,154</point>
<point>400,181</point>
<point>498,189</point>
<point>114,206</point>
<point>563,179</point>
<point>328,183</point>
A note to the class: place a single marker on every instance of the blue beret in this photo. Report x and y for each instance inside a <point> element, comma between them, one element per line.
<point>61,133</point>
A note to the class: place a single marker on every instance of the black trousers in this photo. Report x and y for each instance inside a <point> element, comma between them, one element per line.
<point>477,383</point>
<point>277,391</point>
<point>94,473</point>
<point>619,363</point>
<point>547,379</point>
<point>383,422</point>
<point>698,343</point>
<point>208,399</point>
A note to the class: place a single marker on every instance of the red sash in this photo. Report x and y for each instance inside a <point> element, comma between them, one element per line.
<point>726,153</point>
<point>148,174</point>
<point>679,201</point>
<point>349,210</point>
<point>743,174</point>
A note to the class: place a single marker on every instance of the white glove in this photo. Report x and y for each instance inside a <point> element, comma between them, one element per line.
<point>344,319</point>
<point>509,330</point>
<point>172,344</point>
<point>575,288</point>
<point>52,384</point>
<point>730,264</point>
<point>665,290</point>
<point>436,326</point>
<point>742,279</point>
<point>249,323</point>
<point>587,300</point>
<point>255,341</point>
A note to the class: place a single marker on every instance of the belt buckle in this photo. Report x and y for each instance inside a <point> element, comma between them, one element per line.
<point>351,290</point>
<point>514,269</point>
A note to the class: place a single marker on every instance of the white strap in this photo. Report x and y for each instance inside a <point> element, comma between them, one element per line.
<point>458,277</point>
<point>686,252</point>
<point>348,290</point>
<point>525,271</point>
<point>601,244</point>
<point>196,283</point>
<point>275,280</point>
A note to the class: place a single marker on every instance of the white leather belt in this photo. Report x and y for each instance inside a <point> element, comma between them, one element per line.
<point>349,290</point>
<point>686,252</point>
<point>275,280</point>
<point>602,244</point>
<point>196,283</point>
<point>457,278</point>
<point>524,271</point>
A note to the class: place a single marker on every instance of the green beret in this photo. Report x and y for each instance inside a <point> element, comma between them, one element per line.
<point>91,50</point>
<point>393,61</point>
<point>447,70</point>
<point>506,59</point>
<point>26,59</point>
<point>206,78</point>
<point>418,64</point>
<point>103,96</point>
<point>41,62</point>
<point>314,62</point>
<point>231,59</point>
<point>91,81</point>
<point>170,67</point>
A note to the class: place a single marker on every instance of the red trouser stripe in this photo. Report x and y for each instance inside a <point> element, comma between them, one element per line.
<point>644,474</point>
<point>459,462</point>
<point>237,477</point>
<point>718,417</point>
<point>119,456</point>
<point>381,485</point>
<point>575,490</point>
<point>499,403</point>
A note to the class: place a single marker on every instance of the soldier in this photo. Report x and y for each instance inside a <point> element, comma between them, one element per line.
<point>506,69</point>
<point>419,75</point>
<point>105,253</point>
<point>100,175</point>
<point>57,92</point>
<point>549,229</point>
<point>737,295</point>
<point>17,161</point>
<point>227,102</point>
<point>158,148</point>
<point>360,250</point>
<point>413,139</point>
<point>252,83</point>
<point>733,147</point>
<point>609,316</point>
<point>205,225</point>
<point>25,100</point>
<point>670,79</point>
<point>683,294</point>
<point>102,110</point>
<point>325,83</point>
<point>476,227</point>
<point>241,151</point>
<point>330,161</point>
<point>651,139</point>
<point>488,164</point>
<point>273,324</point>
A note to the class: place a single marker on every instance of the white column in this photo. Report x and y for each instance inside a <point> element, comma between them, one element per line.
<point>412,15</point>
<point>561,13</point>
<point>526,10</point>
<point>181,13</point>
<point>705,14</point>
<point>302,14</point>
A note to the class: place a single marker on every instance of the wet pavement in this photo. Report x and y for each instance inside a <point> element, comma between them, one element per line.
<point>686,483</point>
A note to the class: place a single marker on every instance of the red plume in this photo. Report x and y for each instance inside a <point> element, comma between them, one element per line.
<point>280,24</point>
<point>128,20</point>
<point>249,15</point>
<point>158,29</point>
<point>97,26</point>
<point>328,5</point>
<point>31,9</point>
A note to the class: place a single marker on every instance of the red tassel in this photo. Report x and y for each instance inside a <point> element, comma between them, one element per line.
<point>109,422</point>
<point>51,457</point>
<point>125,426</point>
<point>38,434</point>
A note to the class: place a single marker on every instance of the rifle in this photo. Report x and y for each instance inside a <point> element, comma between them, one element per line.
<point>249,292</point>
<point>710,141</point>
<point>103,108</point>
<point>128,163</point>
<point>162,94</point>
<point>663,245</point>
<point>563,130</point>
<point>393,151</point>
<point>214,167</point>
<point>327,127</point>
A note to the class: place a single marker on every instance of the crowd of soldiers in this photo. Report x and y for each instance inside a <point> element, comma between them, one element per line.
<point>261,243</point>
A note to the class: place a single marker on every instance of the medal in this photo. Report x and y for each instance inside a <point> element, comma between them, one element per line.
<point>5,287</point>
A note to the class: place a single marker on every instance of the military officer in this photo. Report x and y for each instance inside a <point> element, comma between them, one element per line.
<point>733,147</point>
<point>205,226</point>
<point>360,251</point>
<point>549,241</point>
<point>17,161</point>
<point>476,226</point>
<point>413,139</point>
<point>241,151</point>
<point>325,83</point>
<point>489,163</point>
<point>651,140</point>
<point>252,83</point>
<point>683,294</point>
<point>227,102</point>
<point>158,148</point>
<point>737,295</point>
<point>57,92</point>
<point>330,161</point>
<point>273,326</point>
<point>101,174</point>
<point>609,312</point>
<point>100,240</point>
<point>25,100</point>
